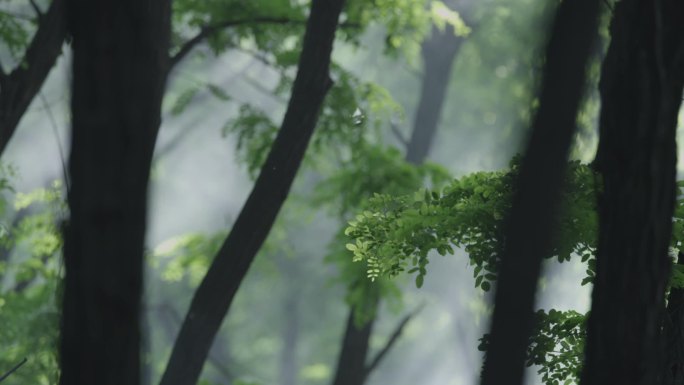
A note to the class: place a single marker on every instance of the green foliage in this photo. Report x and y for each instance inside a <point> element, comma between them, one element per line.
<point>352,113</point>
<point>369,168</point>
<point>31,271</point>
<point>16,26</point>
<point>556,346</point>
<point>255,135</point>
<point>396,233</point>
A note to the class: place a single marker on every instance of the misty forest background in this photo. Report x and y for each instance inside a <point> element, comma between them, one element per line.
<point>340,218</point>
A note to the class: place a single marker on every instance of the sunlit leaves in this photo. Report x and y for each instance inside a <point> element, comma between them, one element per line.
<point>556,346</point>
<point>31,272</point>
<point>401,231</point>
<point>443,16</point>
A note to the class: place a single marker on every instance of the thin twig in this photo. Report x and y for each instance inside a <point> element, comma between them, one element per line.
<point>17,366</point>
<point>36,9</point>
<point>392,340</point>
<point>209,30</point>
<point>62,158</point>
<point>399,135</point>
<point>609,6</point>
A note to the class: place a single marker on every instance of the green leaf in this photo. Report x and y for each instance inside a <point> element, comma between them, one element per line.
<point>486,286</point>
<point>218,93</point>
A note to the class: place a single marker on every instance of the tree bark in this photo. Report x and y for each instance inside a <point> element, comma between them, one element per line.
<point>217,290</point>
<point>119,66</point>
<point>641,91</point>
<point>19,87</point>
<point>529,224</point>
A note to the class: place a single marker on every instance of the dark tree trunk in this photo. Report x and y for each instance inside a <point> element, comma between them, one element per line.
<point>529,224</point>
<point>19,87</point>
<point>673,333</point>
<point>351,365</point>
<point>217,290</point>
<point>641,91</point>
<point>120,54</point>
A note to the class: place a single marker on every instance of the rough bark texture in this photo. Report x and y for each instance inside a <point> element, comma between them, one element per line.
<point>529,223</point>
<point>217,290</point>
<point>19,87</point>
<point>641,91</point>
<point>120,54</point>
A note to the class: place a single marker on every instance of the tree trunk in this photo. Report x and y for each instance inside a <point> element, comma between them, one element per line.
<point>217,290</point>
<point>290,337</point>
<point>439,52</point>
<point>351,365</point>
<point>19,87</point>
<point>641,91</point>
<point>529,224</point>
<point>120,53</point>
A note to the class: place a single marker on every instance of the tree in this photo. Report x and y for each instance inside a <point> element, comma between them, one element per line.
<point>119,74</point>
<point>217,290</point>
<point>641,91</point>
<point>20,86</point>
<point>439,51</point>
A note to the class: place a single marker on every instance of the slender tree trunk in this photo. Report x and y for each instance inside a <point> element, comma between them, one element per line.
<point>439,52</point>
<point>641,91</point>
<point>529,224</point>
<point>217,290</point>
<point>290,337</point>
<point>19,87</point>
<point>351,365</point>
<point>120,54</point>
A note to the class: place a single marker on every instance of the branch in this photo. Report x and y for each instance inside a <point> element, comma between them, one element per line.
<point>207,31</point>
<point>17,366</point>
<point>22,84</point>
<point>36,9</point>
<point>399,135</point>
<point>392,340</point>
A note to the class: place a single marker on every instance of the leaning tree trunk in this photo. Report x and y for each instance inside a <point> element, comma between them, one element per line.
<point>20,86</point>
<point>217,290</point>
<point>529,223</point>
<point>120,53</point>
<point>641,91</point>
